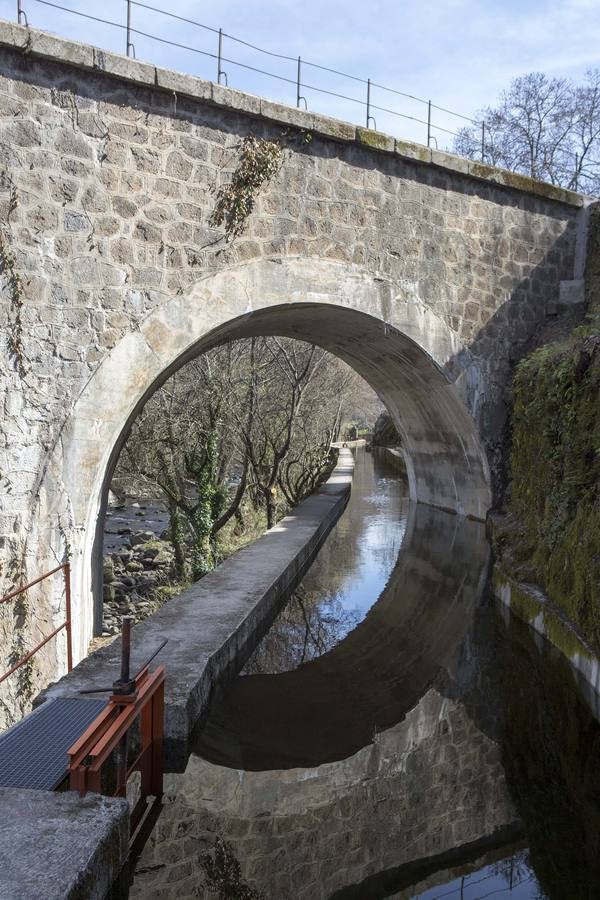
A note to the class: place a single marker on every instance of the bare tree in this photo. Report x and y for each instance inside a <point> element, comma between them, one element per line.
<point>547,128</point>
<point>249,422</point>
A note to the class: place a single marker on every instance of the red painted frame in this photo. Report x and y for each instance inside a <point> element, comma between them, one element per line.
<point>94,748</point>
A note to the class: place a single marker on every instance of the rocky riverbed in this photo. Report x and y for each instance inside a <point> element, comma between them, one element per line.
<point>138,563</point>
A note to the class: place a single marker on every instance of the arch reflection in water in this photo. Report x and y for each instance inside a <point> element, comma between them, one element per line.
<point>331,707</point>
<point>365,763</point>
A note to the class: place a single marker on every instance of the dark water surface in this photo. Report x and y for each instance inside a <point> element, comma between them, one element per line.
<point>394,736</point>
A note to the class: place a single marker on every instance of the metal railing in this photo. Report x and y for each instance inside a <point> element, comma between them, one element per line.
<point>66,569</point>
<point>297,67</point>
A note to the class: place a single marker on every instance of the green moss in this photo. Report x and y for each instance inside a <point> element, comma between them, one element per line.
<point>528,608</point>
<point>413,151</point>
<point>592,268</point>
<point>555,463</point>
<point>375,139</point>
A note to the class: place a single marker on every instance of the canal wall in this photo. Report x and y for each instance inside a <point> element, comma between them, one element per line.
<point>550,622</point>
<point>213,627</point>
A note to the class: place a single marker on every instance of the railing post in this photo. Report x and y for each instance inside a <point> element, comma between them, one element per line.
<point>67,571</point>
<point>576,179</point>
<point>483,142</point>
<point>219,58</point>
<point>21,14</point>
<point>129,45</point>
<point>429,123</point>
<point>369,116</point>
<point>299,96</point>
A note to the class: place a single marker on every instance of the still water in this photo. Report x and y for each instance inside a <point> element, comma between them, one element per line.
<point>393,736</point>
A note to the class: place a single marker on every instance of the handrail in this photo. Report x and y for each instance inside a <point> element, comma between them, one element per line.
<point>298,62</point>
<point>66,568</point>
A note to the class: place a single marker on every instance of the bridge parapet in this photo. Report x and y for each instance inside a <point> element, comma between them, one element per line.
<point>48,46</point>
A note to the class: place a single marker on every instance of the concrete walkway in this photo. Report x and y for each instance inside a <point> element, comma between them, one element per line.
<point>214,626</point>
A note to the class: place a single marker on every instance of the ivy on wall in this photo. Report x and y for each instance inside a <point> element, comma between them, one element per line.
<point>259,161</point>
<point>13,280</point>
<point>555,463</point>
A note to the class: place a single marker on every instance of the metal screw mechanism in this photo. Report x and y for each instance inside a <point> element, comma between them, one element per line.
<point>125,685</point>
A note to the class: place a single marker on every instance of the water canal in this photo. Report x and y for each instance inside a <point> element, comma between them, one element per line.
<point>394,735</point>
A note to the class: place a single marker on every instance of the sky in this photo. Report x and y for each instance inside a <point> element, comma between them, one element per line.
<point>458,53</point>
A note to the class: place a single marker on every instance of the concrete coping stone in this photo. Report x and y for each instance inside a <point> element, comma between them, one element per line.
<point>34,42</point>
<point>213,626</point>
<point>60,846</point>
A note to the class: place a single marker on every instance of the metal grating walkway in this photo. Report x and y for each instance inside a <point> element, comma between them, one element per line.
<point>33,753</point>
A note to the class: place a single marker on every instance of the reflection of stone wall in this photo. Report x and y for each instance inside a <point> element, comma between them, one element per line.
<point>423,787</point>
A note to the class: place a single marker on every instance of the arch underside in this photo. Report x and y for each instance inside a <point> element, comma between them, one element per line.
<point>382,330</point>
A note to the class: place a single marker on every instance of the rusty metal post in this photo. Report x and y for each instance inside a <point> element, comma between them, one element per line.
<point>125,649</point>
<point>67,571</point>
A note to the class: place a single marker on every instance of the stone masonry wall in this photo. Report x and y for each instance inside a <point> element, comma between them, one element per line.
<point>108,171</point>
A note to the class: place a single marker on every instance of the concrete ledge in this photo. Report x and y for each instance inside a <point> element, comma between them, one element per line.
<point>214,626</point>
<point>61,846</point>
<point>532,606</point>
<point>47,46</point>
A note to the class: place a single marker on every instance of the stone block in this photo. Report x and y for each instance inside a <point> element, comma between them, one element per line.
<point>179,83</point>
<point>375,140</point>
<point>334,128</point>
<point>12,35</point>
<point>408,150</point>
<point>52,47</point>
<point>450,161</point>
<point>124,67</point>
<point>289,115</point>
<point>236,100</point>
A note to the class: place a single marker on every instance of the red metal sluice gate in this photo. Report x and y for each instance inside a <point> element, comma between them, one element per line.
<point>129,732</point>
<point>66,569</point>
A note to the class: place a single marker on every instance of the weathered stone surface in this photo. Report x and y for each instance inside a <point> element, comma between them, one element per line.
<point>60,846</point>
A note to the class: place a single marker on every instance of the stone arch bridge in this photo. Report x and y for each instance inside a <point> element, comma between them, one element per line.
<point>426,272</point>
